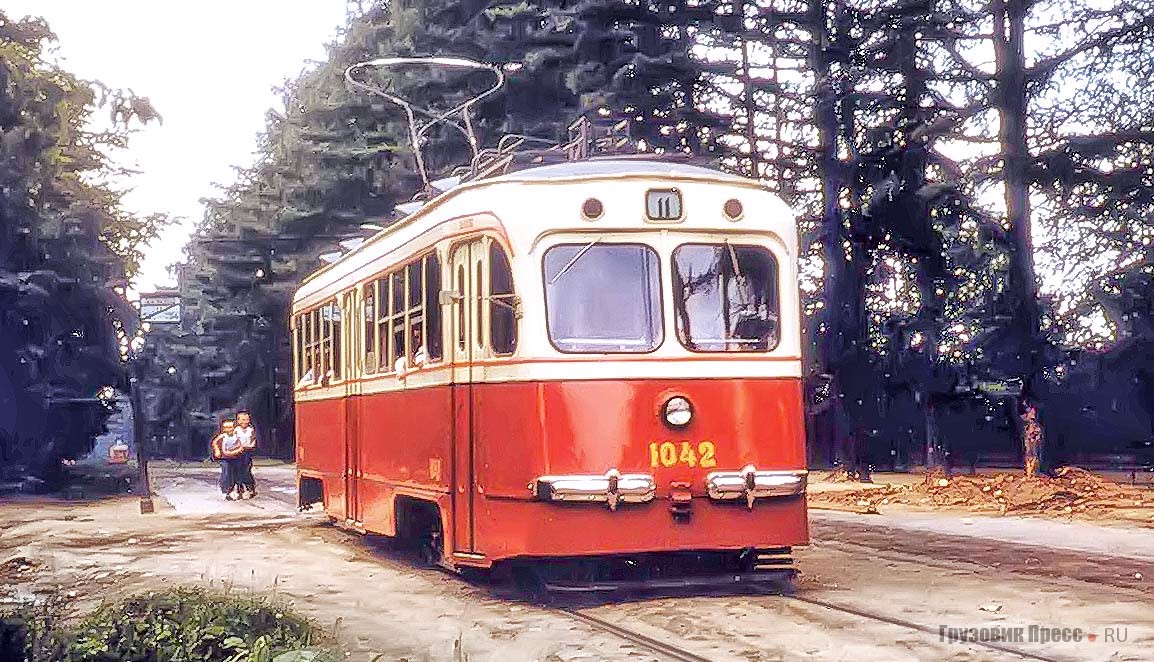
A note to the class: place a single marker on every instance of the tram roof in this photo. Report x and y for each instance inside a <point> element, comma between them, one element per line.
<point>609,167</point>
<point>595,168</point>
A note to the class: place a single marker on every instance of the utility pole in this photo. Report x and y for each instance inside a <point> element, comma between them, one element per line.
<point>136,373</point>
<point>153,308</point>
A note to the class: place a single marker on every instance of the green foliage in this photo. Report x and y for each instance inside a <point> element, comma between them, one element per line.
<point>906,156</point>
<point>67,248</point>
<point>180,625</point>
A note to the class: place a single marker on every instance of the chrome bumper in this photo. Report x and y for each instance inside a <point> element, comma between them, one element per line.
<point>614,488</point>
<point>611,488</point>
<point>751,484</point>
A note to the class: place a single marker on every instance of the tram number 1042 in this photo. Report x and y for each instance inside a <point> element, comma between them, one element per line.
<point>671,453</point>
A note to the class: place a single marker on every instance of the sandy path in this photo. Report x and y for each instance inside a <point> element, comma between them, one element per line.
<point>379,602</point>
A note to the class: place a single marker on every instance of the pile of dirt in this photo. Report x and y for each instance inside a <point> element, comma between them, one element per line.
<point>1069,491</point>
<point>16,568</point>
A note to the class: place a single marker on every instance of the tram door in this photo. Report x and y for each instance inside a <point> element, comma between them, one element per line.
<point>468,268</point>
<point>345,333</point>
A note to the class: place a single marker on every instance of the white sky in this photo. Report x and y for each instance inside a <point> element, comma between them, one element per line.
<point>208,67</point>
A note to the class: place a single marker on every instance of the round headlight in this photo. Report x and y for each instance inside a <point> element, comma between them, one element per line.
<point>678,412</point>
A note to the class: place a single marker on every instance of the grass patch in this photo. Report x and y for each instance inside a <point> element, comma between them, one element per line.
<point>183,625</point>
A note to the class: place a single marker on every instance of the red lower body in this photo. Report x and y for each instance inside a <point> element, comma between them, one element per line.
<point>474,449</point>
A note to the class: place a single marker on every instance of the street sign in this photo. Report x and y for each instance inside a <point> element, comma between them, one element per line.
<point>160,308</point>
<point>1000,388</point>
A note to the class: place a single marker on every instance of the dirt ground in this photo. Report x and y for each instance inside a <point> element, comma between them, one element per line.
<point>1072,494</point>
<point>378,601</point>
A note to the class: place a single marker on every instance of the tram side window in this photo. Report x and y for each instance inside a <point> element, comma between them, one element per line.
<point>326,343</point>
<point>397,318</point>
<point>310,348</point>
<point>307,333</point>
<point>308,360</point>
<point>461,312</point>
<point>502,302</point>
<point>408,314</point>
<point>382,342</point>
<point>479,288</point>
<point>326,313</point>
<point>415,313</point>
<point>334,326</point>
<point>370,323</point>
<point>433,306</point>
<point>320,360</point>
<point>307,352</point>
<point>305,372</point>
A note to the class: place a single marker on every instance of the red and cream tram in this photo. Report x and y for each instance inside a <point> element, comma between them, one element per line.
<point>595,361</point>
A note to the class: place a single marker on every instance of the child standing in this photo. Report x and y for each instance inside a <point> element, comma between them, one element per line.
<point>247,435</point>
<point>227,448</point>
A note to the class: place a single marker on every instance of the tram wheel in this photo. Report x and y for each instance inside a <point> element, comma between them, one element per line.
<point>432,545</point>
<point>529,583</point>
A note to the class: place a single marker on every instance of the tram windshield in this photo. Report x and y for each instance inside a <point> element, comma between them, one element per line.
<point>725,297</point>
<point>603,297</point>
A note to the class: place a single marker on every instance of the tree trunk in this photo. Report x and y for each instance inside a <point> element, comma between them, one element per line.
<point>1031,439</point>
<point>843,342</point>
<point>935,458</point>
<point>1011,100</point>
<point>830,173</point>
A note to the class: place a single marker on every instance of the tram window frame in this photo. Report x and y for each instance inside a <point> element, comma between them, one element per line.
<point>462,311</point>
<point>304,363</point>
<point>480,328</point>
<point>336,339</point>
<point>294,347</point>
<point>658,290</point>
<point>502,305</point>
<point>369,350</point>
<point>398,313</point>
<point>306,348</point>
<point>434,327</point>
<point>407,301</point>
<point>773,297</point>
<point>312,340</point>
<point>327,343</point>
<point>330,320</point>
<point>381,342</point>
<point>319,361</point>
<point>414,310</point>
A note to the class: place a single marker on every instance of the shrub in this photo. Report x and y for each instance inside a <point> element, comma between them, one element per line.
<point>182,625</point>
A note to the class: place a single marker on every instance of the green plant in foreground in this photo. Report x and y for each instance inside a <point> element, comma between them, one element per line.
<point>183,625</point>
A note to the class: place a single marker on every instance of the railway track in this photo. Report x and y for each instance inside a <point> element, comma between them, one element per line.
<point>668,650</point>
<point>882,618</point>
<point>673,652</point>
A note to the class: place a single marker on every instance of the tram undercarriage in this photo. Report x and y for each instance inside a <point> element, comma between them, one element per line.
<point>766,569</point>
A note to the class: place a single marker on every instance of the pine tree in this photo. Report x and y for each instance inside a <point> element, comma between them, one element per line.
<point>67,248</point>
